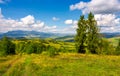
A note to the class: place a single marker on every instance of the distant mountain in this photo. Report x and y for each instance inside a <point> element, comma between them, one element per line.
<point>30,34</point>
<point>110,35</point>
<point>70,38</point>
<point>57,36</point>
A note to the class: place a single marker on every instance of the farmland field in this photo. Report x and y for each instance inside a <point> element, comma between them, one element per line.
<point>64,64</point>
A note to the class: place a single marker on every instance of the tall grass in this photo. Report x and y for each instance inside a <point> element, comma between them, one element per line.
<point>67,64</point>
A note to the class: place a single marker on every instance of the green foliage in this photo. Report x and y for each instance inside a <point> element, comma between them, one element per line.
<point>105,47</point>
<point>30,47</point>
<point>92,34</point>
<point>52,51</point>
<point>80,38</point>
<point>87,36</point>
<point>52,48</point>
<point>118,48</point>
<point>6,47</point>
<point>20,47</point>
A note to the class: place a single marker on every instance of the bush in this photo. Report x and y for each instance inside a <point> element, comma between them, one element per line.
<point>6,47</point>
<point>105,48</point>
<point>29,47</point>
<point>52,51</point>
<point>20,47</point>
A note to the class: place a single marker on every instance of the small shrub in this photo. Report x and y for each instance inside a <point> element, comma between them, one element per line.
<point>52,51</point>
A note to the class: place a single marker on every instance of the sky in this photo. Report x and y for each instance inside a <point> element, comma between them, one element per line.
<point>57,16</point>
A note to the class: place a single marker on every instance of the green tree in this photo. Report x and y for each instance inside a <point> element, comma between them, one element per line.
<point>93,35</point>
<point>117,52</point>
<point>6,46</point>
<point>80,37</point>
<point>105,47</point>
<point>87,36</point>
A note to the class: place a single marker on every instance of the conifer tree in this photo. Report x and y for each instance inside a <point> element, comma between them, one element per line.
<point>87,36</point>
<point>93,36</point>
<point>80,37</point>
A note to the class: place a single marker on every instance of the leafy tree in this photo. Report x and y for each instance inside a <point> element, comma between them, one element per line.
<point>87,36</point>
<point>40,48</point>
<point>6,46</point>
<point>30,47</point>
<point>105,47</point>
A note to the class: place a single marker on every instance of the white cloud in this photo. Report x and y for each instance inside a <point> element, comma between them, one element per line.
<point>72,28</point>
<point>107,20</point>
<point>98,6</point>
<point>68,22</point>
<point>106,13</point>
<point>27,23</point>
<point>79,6</point>
<point>55,19</point>
<point>38,25</point>
<point>28,20</point>
<point>50,29</point>
<point>71,22</point>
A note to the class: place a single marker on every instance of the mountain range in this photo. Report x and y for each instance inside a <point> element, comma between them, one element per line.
<point>32,34</point>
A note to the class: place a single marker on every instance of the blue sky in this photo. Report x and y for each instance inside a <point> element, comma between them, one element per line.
<point>57,15</point>
<point>43,10</point>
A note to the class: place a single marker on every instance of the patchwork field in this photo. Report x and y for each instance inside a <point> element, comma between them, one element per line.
<point>67,64</point>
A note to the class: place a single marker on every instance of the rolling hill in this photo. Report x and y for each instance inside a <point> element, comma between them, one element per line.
<point>57,36</point>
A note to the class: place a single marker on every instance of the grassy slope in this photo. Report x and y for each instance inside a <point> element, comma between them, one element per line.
<point>114,40</point>
<point>68,64</point>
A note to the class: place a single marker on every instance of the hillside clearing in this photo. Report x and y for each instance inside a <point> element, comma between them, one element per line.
<point>68,64</point>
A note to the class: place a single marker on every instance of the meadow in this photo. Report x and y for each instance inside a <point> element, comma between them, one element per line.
<point>57,58</point>
<point>65,64</point>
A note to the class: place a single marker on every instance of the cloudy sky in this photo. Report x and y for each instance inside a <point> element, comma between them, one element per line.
<point>57,15</point>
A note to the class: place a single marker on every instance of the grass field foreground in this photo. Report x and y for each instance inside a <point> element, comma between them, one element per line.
<point>67,64</point>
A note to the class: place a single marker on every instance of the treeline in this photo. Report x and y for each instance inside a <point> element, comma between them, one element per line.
<point>38,46</point>
<point>51,47</point>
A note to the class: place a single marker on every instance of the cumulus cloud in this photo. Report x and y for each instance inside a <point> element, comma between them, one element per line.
<point>108,22</point>
<point>50,29</point>
<point>28,20</point>
<point>106,13</point>
<point>97,6</point>
<point>27,23</point>
<point>73,26</point>
<point>68,22</point>
<point>71,22</point>
<point>55,19</point>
